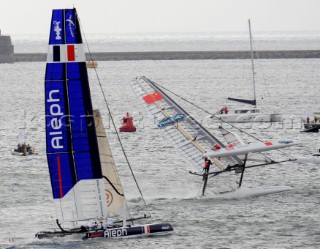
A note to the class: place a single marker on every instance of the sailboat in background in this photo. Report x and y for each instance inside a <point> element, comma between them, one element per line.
<point>85,184</point>
<point>254,114</point>
<point>229,159</point>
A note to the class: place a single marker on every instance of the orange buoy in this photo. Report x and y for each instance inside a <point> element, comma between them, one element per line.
<point>127,124</point>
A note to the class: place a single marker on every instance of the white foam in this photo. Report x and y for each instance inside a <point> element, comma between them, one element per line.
<point>311,159</point>
<point>246,192</point>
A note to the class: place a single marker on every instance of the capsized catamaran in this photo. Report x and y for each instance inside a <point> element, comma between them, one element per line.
<point>197,143</point>
<point>248,114</point>
<point>85,184</point>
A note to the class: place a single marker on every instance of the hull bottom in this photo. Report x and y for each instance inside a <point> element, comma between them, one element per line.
<point>59,233</point>
<point>311,127</point>
<point>115,232</point>
<point>152,229</point>
<point>15,153</point>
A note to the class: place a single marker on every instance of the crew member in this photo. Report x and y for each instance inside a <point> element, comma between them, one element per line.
<point>207,163</point>
<point>226,110</point>
<point>109,223</point>
<point>216,147</point>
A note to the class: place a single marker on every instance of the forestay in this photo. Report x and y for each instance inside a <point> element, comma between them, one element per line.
<point>71,141</point>
<point>189,136</point>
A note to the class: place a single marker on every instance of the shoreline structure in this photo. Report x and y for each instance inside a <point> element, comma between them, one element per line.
<point>180,55</point>
<point>7,54</point>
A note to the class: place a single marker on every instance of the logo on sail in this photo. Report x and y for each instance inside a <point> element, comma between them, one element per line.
<point>171,120</point>
<point>55,122</point>
<point>71,25</point>
<point>109,197</point>
<point>57,29</point>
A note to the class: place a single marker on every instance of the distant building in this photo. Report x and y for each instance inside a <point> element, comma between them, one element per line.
<point>6,49</point>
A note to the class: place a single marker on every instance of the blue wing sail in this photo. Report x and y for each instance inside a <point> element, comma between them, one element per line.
<point>71,142</point>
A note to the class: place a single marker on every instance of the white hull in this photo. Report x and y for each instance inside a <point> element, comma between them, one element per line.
<point>250,117</point>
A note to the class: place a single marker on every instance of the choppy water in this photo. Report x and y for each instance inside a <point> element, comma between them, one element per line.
<point>288,219</point>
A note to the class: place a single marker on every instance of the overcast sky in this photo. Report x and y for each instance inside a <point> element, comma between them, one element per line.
<point>144,16</point>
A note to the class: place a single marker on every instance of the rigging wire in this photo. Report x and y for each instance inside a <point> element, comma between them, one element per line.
<point>114,125</point>
<point>207,112</point>
<point>260,67</point>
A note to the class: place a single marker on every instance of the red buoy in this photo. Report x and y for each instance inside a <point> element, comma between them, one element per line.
<point>127,124</point>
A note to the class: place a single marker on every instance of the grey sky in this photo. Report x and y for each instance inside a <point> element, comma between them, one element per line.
<point>135,16</point>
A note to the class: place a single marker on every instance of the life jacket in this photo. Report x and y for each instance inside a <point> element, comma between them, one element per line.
<point>206,164</point>
<point>216,147</point>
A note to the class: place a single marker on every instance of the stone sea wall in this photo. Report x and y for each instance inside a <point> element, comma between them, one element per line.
<point>6,49</point>
<point>181,55</point>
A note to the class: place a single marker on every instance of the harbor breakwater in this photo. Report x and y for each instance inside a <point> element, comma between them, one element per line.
<point>6,49</point>
<point>181,55</point>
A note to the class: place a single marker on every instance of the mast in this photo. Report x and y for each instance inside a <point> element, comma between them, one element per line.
<point>249,101</point>
<point>252,65</point>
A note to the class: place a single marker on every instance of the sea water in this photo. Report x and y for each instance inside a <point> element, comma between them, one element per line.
<point>288,219</point>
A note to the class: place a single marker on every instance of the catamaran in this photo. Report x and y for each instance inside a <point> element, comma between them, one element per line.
<point>253,114</point>
<point>229,159</point>
<point>85,184</point>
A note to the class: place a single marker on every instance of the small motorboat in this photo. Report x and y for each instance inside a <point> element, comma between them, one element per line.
<point>310,128</point>
<point>24,150</point>
<point>316,154</point>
